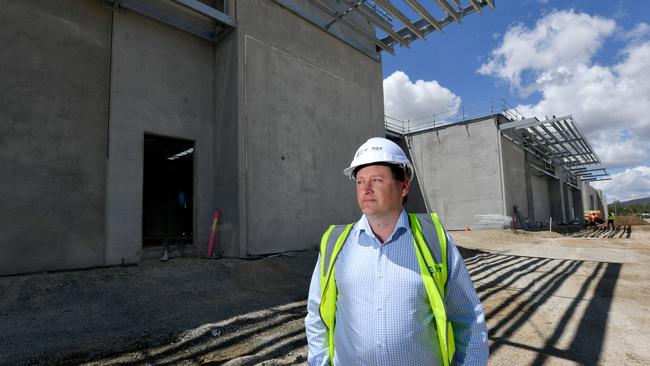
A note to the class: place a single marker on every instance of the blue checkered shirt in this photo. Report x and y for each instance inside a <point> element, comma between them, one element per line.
<point>383,315</point>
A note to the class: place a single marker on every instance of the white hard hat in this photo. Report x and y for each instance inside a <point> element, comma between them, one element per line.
<point>379,150</point>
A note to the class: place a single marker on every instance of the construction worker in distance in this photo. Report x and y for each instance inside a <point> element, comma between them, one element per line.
<point>610,219</point>
<point>392,288</point>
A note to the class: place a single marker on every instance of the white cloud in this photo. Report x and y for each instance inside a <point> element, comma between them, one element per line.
<point>630,184</point>
<point>610,103</point>
<point>560,41</point>
<point>621,153</point>
<point>640,32</point>
<point>406,100</point>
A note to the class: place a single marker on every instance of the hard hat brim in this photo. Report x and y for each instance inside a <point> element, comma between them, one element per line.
<point>350,170</point>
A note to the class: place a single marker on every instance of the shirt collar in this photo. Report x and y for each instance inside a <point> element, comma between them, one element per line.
<point>363,226</point>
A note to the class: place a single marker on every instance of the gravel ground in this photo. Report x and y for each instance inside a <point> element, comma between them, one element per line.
<point>549,300</point>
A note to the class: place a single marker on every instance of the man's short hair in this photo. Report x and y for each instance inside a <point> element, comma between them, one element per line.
<point>399,172</point>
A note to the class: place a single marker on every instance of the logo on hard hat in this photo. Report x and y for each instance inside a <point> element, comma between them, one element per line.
<point>365,149</point>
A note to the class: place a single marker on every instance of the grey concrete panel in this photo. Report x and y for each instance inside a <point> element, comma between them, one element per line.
<point>460,171</point>
<point>576,204</point>
<point>303,124</point>
<point>541,199</point>
<point>592,198</point>
<point>555,199</point>
<point>162,83</point>
<point>415,201</point>
<point>514,174</point>
<point>280,28</point>
<point>228,142</point>
<point>307,97</point>
<point>54,76</point>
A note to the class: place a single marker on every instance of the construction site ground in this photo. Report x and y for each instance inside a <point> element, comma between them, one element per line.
<point>549,299</point>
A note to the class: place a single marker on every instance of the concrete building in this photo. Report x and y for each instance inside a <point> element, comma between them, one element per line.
<point>126,123</point>
<point>484,171</point>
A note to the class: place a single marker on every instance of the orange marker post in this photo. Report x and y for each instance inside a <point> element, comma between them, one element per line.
<point>216,217</point>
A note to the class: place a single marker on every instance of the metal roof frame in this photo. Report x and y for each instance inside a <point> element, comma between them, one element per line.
<point>419,28</point>
<point>559,142</point>
<point>380,14</point>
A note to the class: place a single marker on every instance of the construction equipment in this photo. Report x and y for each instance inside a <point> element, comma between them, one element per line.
<point>594,217</point>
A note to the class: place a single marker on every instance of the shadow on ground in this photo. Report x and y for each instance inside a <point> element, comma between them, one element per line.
<point>215,324</point>
<point>604,232</point>
<point>524,285</point>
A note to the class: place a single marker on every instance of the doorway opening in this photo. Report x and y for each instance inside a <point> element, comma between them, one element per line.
<point>168,191</point>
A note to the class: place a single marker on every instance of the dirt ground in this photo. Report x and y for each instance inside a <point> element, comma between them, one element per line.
<point>549,299</point>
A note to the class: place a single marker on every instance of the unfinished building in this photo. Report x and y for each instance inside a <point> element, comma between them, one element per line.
<point>126,123</point>
<point>487,171</point>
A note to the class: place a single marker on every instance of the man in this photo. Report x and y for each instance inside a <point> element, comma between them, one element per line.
<point>610,219</point>
<point>379,295</point>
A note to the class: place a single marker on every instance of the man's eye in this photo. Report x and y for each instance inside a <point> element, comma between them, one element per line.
<point>377,180</point>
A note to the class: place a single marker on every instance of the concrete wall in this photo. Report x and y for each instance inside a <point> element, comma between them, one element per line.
<point>576,204</point>
<point>461,170</point>
<point>541,198</point>
<point>276,110</point>
<point>54,77</point>
<point>556,197</point>
<point>415,200</point>
<point>592,198</point>
<point>309,101</point>
<point>161,83</point>
<point>515,182</point>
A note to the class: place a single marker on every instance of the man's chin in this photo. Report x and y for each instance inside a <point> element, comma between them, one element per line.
<point>368,210</point>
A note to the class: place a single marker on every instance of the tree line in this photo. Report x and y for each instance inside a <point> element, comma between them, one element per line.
<point>629,209</point>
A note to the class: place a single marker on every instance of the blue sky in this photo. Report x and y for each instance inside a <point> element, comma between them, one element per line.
<point>590,59</point>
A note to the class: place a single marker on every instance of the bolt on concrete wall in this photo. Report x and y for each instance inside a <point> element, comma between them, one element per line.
<point>54,76</point>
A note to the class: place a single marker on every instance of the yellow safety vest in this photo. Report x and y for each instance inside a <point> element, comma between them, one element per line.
<point>430,244</point>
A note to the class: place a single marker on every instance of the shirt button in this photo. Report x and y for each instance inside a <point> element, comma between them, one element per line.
<point>379,308</point>
<point>381,275</point>
<point>380,344</point>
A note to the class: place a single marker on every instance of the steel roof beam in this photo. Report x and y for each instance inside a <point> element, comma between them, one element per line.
<point>333,13</point>
<point>389,7</point>
<point>476,6</point>
<point>424,14</point>
<point>426,27</point>
<point>371,16</point>
<point>449,9</point>
<point>562,132</point>
<point>523,123</point>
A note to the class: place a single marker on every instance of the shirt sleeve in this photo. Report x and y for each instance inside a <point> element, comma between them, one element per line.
<point>465,312</point>
<point>314,326</point>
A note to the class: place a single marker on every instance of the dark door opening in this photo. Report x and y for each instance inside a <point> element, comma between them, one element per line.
<point>168,190</point>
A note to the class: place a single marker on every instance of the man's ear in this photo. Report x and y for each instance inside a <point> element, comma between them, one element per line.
<point>406,186</point>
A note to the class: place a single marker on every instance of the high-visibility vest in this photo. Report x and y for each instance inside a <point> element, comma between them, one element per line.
<point>430,244</point>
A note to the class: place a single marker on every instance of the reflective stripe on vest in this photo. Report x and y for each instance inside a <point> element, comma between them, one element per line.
<point>430,244</point>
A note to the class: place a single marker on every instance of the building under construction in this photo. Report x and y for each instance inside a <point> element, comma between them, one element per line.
<point>502,169</point>
<point>125,124</point>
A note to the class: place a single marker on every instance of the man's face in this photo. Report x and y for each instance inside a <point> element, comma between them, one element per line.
<point>378,192</point>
